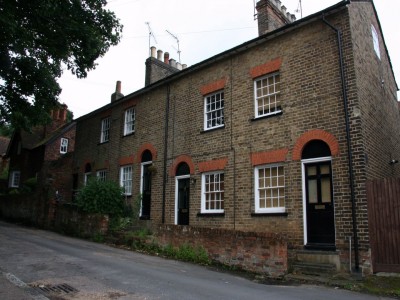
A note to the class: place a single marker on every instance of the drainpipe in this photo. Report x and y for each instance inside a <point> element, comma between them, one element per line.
<point>348,137</point>
<point>165,152</point>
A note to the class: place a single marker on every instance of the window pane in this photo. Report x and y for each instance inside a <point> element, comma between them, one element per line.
<point>214,110</point>
<point>213,191</point>
<point>325,169</point>
<point>271,191</point>
<point>312,171</point>
<point>312,191</point>
<point>326,190</point>
<point>267,95</point>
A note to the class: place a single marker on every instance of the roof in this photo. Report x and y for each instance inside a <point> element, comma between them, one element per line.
<point>4,142</point>
<point>238,49</point>
<point>35,139</point>
<point>57,133</point>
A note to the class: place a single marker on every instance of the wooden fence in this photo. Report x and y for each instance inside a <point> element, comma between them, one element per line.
<point>384,223</point>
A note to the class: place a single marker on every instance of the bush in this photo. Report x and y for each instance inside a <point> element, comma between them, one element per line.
<point>104,197</point>
<point>30,185</point>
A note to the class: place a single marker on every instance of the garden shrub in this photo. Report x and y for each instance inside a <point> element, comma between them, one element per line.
<point>104,197</point>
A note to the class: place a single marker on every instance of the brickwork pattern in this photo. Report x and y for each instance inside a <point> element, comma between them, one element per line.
<point>312,108</point>
<point>264,253</point>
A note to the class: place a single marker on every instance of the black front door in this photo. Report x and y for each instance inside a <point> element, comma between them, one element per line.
<point>146,192</point>
<point>183,201</point>
<point>319,206</point>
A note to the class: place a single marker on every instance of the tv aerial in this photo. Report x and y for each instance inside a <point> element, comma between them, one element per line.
<point>177,40</point>
<point>299,9</point>
<point>151,34</point>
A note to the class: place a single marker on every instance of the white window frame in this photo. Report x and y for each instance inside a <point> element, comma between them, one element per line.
<point>63,145</point>
<point>86,178</point>
<point>220,192</point>
<point>258,209</point>
<point>101,175</point>
<point>15,179</point>
<point>125,179</point>
<point>105,130</point>
<point>211,113</point>
<point>375,40</point>
<point>129,121</point>
<point>271,98</point>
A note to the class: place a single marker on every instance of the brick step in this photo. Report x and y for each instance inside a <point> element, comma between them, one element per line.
<point>308,268</point>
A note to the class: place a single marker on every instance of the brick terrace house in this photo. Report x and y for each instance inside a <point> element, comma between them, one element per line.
<point>278,134</point>
<point>31,153</point>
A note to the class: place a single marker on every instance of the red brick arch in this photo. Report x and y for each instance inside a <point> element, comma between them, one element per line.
<point>182,158</point>
<point>144,147</point>
<point>317,134</point>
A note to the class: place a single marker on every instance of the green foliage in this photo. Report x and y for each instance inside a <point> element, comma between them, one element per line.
<point>4,174</point>
<point>38,40</point>
<point>30,184</point>
<point>98,238</point>
<point>14,192</point>
<point>118,223</point>
<point>188,253</point>
<point>6,130</point>
<point>129,217</point>
<point>104,197</point>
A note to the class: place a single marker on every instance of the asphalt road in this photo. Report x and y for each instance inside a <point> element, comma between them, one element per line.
<point>34,261</point>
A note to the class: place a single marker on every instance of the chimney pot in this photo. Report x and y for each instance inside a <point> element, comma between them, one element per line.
<point>172,63</point>
<point>184,66</point>
<point>278,4</point>
<point>288,15</point>
<point>159,54</point>
<point>166,57</point>
<point>153,51</point>
<point>117,94</point>
<point>283,9</point>
<point>179,66</point>
<point>118,87</point>
<point>293,18</point>
<point>63,113</point>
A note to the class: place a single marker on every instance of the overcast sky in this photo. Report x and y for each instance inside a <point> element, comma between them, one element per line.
<point>204,28</point>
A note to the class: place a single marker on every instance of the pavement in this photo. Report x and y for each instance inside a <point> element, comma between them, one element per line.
<point>11,288</point>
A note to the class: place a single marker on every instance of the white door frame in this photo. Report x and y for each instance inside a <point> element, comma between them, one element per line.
<point>303,179</point>
<point>141,182</point>
<point>177,178</point>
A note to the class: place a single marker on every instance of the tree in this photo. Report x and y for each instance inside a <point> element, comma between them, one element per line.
<point>40,38</point>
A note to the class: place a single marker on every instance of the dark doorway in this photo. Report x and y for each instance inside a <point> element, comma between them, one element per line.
<point>183,201</point>
<point>146,184</point>
<point>183,195</point>
<point>319,197</point>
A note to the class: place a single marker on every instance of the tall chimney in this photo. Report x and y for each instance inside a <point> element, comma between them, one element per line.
<point>166,57</point>
<point>172,63</point>
<point>153,51</point>
<point>272,15</point>
<point>117,94</point>
<point>159,55</point>
<point>63,112</point>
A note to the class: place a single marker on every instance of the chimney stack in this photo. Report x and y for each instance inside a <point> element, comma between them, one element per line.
<point>117,94</point>
<point>272,15</point>
<point>160,67</point>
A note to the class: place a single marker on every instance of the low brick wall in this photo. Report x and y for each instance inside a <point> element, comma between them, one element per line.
<point>36,211</point>
<point>264,253</point>
<point>68,219</point>
<point>27,209</point>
